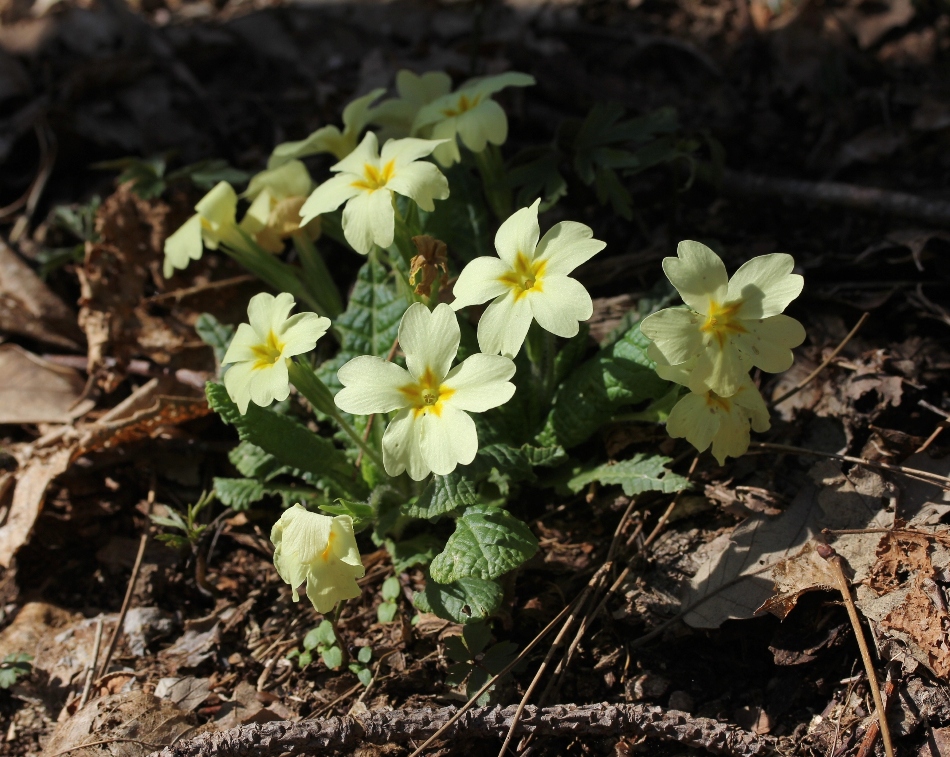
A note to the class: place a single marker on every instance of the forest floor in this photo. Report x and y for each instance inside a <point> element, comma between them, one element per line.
<point>849,91</point>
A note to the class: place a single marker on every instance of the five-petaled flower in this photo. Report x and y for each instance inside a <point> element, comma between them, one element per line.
<point>260,349</point>
<point>727,319</point>
<point>528,280</point>
<point>432,430</point>
<point>320,550</point>
<point>470,113</point>
<point>366,180</point>
<point>415,91</point>
<point>213,223</point>
<point>704,417</point>
<point>277,195</point>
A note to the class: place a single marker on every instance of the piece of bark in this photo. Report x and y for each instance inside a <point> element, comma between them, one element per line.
<point>382,727</point>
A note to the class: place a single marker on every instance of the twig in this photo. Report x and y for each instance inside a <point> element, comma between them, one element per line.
<point>400,726</point>
<point>327,708</point>
<point>834,559</point>
<point>180,294</point>
<point>113,640</point>
<point>867,743</point>
<point>869,199</point>
<point>103,742</point>
<point>91,667</point>
<point>811,376</point>
<point>932,478</point>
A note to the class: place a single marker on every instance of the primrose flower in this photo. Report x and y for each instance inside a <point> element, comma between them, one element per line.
<point>397,115</point>
<point>727,319</point>
<point>277,195</point>
<point>528,280</point>
<point>320,550</point>
<point>356,115</point>
<point>260,349</point>
<point>470,113</point>
<point>213,223</point>
<point>366,180</point>
<point>432,430</point>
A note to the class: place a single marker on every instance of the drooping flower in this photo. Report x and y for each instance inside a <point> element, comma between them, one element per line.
<point>727,319</point>
<point>528,280</point>
<point>704,417</point>
<point>470,113</point>
<point>356,116</point>
<point>366,180</point>
<point>320,550</point>
<point>259,350</point>
<point>432,430</point>
<point>277,195</point>
<point>397,115</point>
<point>213,223</point>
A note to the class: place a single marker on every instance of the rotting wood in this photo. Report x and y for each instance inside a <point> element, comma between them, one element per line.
<point>381,727</point>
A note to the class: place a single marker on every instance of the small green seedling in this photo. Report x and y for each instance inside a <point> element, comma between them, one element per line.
<point>386,612</point>
<point>191,529</point>
<point>473,666</point>
<point>359,667</point>
<point>321,639</point>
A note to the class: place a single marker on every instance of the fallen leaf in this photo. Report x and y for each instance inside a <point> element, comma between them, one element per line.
<point>33,390</point>
<point>187,693</point>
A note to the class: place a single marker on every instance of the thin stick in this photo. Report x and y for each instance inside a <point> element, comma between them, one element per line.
<point>811,376</point>
<point>179,294</point>
<point>91,667</point>
<point>923,475</point>
<point>661,523</point>
<point>113,640</point>
<point>834,559</point>
<point>491,682</point>
<point>103,742</point>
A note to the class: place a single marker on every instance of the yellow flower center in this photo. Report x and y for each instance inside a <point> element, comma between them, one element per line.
<point>722,320</point>
<point>375,177</point>
<point>526,276</point>
<point>426,395</point>
<point>269,352</point>
<point>463,105</point>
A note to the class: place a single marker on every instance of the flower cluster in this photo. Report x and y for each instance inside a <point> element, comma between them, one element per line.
<point>727,327</point>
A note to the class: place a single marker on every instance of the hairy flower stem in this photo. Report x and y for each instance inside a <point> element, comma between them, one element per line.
<point>491,167</point>
<point>541,347</point>
<point>317,276</point>
<point>310,386</point>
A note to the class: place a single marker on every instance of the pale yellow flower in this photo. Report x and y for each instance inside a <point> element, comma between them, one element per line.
<point>277,195</point>
<point>213,223</point>
<point>415,91</point>
<point>321,551</point>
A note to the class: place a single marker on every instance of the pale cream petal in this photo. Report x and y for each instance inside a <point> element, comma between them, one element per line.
<point>480,281</point>
<point>365,220</point>
<point>299,333</point>
<point>519,234</point>
<point>267,313</point>
<point>504,326</point>
<point>447,153</point>
<point>429,340</point>
<point>366,151</point>
<point>237,380</point>
<point>422,182</point>
<point>732,440</point>
<point>405,151</point>
<point>420,90</point>
<point>436,441</point>
<point>356,113</point>
<point>675,332</point>
<point>298,537</point>
<point>269,384</point>
<point>489,85</point>
<point>371,385</point>
<point>720,369</point>
<point>329,196</point>
<point>401,450</point>
<point>769,342</point>
<point>749,399</point>
<point>325,139</point>
<point>765,285</point>
<point>292,179</point>
<point>255,219</point>
<point>219,206</point>
<point>183,246</point>
<point>695,420</point>
<point>332,582</point>
<point>242,345</point>
<point>480,383</point>
<point>679,374</point>
<point>559,304</point>
<point>567,245</point>
<point>484,123</point>
<point>436,112</point>
<point>698,274</point>
<point>344,543</point>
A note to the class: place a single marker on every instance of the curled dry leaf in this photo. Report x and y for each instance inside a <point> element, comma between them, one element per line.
<point>33,390</point>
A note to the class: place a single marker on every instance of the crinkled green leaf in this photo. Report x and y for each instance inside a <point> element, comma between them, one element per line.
<point>476,637</point>
<point>408,553</point>
<point>254,462</point>
<point>467,600</point>
<point>215,334</point>
<point>239,493</point>
<point>488,542</point>
<point>291,443</point>
<point>361,513</point>
<point>640,473</point>
<point>462,221</point>
<point>442,495</point>
<point>536,172</point>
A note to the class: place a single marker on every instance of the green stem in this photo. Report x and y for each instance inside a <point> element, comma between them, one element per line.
<point>491,167</point>
<point>317,276</point>
<point>402,237</point>
<point>310,386</point>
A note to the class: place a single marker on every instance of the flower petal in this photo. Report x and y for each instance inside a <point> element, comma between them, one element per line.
<point>299,333</point>
<point>679,374</point>
<point>219,206</point>
<point>430,340</point>
<point>422,182</point>
<point>766,285</point>
<point>489,85</point>
<point>480,383</point>
<point>269,383</point>
<point>675,332</point>
<point>447,440</point>
<point>328,196</point>
<point>519,234</point>
<point>332,582</point>
<point>484,123</point>
<point>183,246</point>
<point>480,281</point>
<point>237,380</point>
<point>298,534</point>
<point>267,313</point>
<point>369,219</point>
<point>447,153</point>
<point>291,179</point>
<point>356,113</point>
<point>365,152</point>
<point>721,369</point>
<point>324,139</point>
<point>423,89</point>
<point>695,420</point>
<point>405,151</point>
<point>768,342</point>
<point>732,440</point>
<point>371,385</point>
<point>698,274</point>
<point>504,326</point>
<point>749,399</point>
<point>401,451</point>
<point>559,304</point>
<point>567,245</point>
<point>242,345</point>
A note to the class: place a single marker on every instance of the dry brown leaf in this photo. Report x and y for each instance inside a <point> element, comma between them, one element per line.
<point>30,625</point>
<point>33,390</point>
<point>29,308</point>
<point>804,572</point>
<point>926,623</point>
